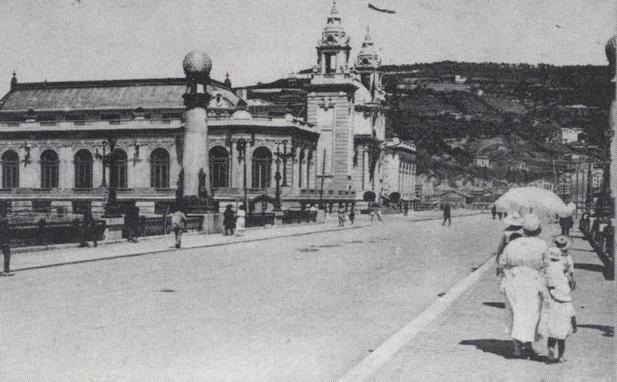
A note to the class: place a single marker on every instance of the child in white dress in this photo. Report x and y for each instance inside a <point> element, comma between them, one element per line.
<point>563,242</point>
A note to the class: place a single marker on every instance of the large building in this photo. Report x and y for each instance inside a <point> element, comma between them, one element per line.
<point>328,144</point>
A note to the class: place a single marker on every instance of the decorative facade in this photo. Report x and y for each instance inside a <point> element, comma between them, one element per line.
<point>57,138</point>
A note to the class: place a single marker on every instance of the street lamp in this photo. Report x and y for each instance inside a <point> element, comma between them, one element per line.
<point>277,178</point>
<point>241,147</point>
<point>104,182</point>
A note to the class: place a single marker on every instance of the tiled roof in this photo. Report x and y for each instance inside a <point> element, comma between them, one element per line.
<point>116,94</point>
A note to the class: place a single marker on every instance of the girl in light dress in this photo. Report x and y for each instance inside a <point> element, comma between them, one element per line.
<point>240,220</point>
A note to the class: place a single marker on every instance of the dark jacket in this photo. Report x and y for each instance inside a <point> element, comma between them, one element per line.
<point>229,218</point>
<point>5,233</point>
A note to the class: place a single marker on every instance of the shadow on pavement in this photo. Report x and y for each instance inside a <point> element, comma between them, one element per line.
<point>502,348</point>
<point>590,267</point>
<point>499,305</point>
<point>608,331</point>
<point>582,250</point>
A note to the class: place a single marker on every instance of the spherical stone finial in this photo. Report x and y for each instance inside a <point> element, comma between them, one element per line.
<point>197,64</point>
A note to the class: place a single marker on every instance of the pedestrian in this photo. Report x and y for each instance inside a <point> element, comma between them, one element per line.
<point>555,271</point>
<point>352,215</point>
<point>405,208</point>
<point>558,321</point>
<point>229,220</point>
<point>88,229</point>
<point>524,286</point>
<point>375,212</point>
<point>494,211</point>
<point>341,216</point>
<point>563,242</point>
<point>5,246</point>
<point>447,214</point>
<point>240,220</point>
<point>131,221</point>
<point>178,225</point>
<point>499,214</point>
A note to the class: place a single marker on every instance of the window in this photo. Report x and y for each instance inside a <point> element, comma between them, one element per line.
<point>81,206</point>
<point>49,169</point>
<point>261,168</point>
<point>10,170</point>
<point>219,167</point>
<point>118,173</point>
<point>41,206</point>
<point>83,170</point>
<point>159,169</point>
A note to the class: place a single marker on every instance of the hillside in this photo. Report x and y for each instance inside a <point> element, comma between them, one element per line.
<point>512,114</point>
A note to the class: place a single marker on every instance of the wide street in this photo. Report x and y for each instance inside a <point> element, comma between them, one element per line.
<point>304,308</point>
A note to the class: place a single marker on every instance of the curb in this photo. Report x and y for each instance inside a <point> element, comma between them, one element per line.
<point>371,364</point>
<point>216,244</point>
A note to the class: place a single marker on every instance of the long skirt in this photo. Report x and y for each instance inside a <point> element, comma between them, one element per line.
<point>522,287</point>
<point>240,224</point>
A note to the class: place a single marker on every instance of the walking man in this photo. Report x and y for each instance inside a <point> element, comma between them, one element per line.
<point>447,215</point>
<point>5,237</point>
<point>178,222</point>
<point>494,211</point>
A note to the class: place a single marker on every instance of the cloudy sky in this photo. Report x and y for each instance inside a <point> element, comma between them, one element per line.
<point>261,40</point>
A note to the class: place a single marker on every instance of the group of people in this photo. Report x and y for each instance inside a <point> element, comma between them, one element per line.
<point>537,279</point>
<point>343,216</point>
<point>234,220</point>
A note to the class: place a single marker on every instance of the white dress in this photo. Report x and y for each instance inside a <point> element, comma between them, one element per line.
<point>240,221</point>
<point>557,319</point>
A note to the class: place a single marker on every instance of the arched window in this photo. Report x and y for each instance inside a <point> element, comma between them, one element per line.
<point>83,170</point>
<point>219,167</point>
<point>159,168</point>
<point>49,169</point>
<point>118,173</point>
<point>261,168</point>
<point>10,170</point>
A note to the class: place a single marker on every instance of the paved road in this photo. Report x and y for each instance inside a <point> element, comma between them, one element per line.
<point>301,308</point>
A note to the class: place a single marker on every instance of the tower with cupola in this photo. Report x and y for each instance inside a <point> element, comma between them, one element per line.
<point>330,104</point>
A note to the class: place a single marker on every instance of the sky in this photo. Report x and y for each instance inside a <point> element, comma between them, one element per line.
<point>262,40</point>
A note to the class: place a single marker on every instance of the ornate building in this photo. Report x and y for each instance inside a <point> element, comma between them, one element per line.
<point>65,144</point>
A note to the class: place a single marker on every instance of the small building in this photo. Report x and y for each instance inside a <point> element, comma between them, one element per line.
<point>454,197</point>
<point>542,183</point>
<point>570,134</point>
<point>482,161</point>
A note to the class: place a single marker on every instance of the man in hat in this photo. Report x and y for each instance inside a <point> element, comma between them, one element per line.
<point>566,223</point>
<point>447,215</point>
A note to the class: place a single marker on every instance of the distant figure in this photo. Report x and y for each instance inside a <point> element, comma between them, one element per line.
<point>240,220</point>
<point>447,215</point>
<point>352,216</point>
<point>499,215</point>
<point>229,220</point>
<point>566,223</point>
<point>494,211</point>
<point>341,216</point>
<point>131,222</point>
<point>375,212</point>
<point>5,241</point>
<point>178,224</point>
<point>314,211</point>
<point>88,229</point>
<point>405,208</point>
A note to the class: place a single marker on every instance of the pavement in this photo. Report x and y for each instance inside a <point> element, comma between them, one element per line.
<point>467,343</point>
<point>29,258</point>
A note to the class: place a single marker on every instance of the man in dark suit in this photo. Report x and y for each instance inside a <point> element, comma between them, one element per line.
<point>447,215</point>
<point>5,237</point>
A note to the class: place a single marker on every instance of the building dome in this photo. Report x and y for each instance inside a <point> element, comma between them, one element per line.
<point>241,115</point>
<point>197,64</point>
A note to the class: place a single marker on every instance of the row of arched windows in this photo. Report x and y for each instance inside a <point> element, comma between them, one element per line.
<point>261,174</point>
<point>83,162</point>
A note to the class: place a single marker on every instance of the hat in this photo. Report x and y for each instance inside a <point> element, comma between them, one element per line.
<point>561,293</point>
<point>554,253</point>
<point>562,242</point>
<point>514,219</point>
<point>531,223</point>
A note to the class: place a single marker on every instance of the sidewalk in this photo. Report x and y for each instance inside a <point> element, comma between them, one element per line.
<point>468,343</point>
<point>71,254</point>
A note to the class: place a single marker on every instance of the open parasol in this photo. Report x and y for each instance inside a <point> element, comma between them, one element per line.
<point>539,200</point>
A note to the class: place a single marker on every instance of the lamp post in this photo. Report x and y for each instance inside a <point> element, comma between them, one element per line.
<point>277,178</point>
<point>241,147</point>
<point>285,156</point>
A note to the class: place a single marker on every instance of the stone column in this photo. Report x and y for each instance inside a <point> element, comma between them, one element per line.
<point>197,66</point>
